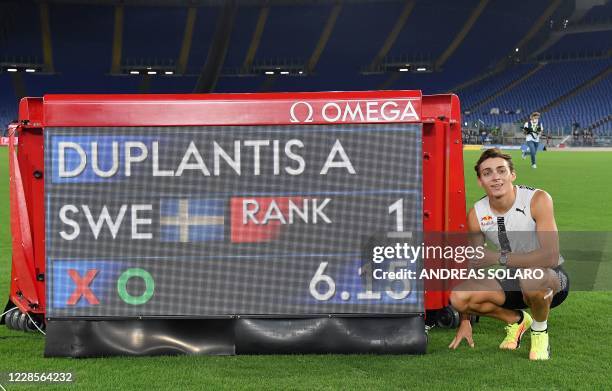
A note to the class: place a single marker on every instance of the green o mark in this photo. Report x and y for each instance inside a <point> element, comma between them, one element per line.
<point>122,286</point>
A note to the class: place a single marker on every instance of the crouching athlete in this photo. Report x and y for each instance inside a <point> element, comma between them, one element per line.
<point>520,221</point>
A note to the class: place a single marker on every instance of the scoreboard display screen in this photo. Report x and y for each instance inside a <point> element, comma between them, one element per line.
<point>214,221</point>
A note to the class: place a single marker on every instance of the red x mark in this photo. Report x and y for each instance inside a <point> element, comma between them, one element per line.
<point>82,287</point>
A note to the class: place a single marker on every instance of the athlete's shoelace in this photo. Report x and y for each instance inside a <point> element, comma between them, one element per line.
<point>510,332</point>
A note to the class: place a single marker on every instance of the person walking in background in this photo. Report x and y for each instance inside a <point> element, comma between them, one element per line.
<point>532,129</point>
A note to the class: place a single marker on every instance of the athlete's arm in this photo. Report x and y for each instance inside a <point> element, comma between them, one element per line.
<point>548,254</point>
<point>464,331</point>
<point>474,227</point>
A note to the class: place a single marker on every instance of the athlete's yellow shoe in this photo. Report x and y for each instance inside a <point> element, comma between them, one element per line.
<point>540,349</point>
<point>514,333</point>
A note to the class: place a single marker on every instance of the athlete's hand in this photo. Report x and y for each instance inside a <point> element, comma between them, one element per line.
<point>490,258</point>
<point>481,263</point>
<point>464,331</point>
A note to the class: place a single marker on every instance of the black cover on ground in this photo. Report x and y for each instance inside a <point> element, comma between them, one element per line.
<point>89,338</point>
<point>151,337</point>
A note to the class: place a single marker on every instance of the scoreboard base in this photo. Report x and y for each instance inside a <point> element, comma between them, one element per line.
<point>153,337</point>
<point>401,335</point>
<point>150,337</point>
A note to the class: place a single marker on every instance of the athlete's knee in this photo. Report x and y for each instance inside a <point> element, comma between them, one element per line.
<point>536,296</point>
<point>460,300</point>
<point>539,288</point>
<point>538,279</point>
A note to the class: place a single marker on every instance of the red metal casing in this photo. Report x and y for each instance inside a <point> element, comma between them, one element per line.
<point>443,182</point>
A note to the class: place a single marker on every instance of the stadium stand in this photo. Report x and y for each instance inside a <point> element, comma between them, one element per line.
<point>413,43</point>
<point>467,61</point>
<point>203,31</point>
<point>244,26</point>
<point>487,87</point>
<point>476,54</point>
<point>162,25</point>
<point>552,81</point>
<point>8,102</point>
<point>585,108</point>
<point>342,58</point>
<point>486,73</point>
<point>92,43</point>
<point>292,32</point>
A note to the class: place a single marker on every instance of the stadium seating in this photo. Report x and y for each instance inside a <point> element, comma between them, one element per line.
<point>357,37</point>
<point>244,25</point>
<point>86,54</point>
<point>162,26</point>
<point>488,86</point>
<point>82,45</point>
<point>476,54</point>
<point>585,107</point>
<point>8,102</point>
<point>552,81</point>
<point>413,42</point>
<point>291,32</point>
<point>205,23</point>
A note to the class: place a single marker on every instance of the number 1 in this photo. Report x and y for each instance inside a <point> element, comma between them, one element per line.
<point>398,208</point>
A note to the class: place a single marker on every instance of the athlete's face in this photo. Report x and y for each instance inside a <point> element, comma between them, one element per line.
<point>495,177</point>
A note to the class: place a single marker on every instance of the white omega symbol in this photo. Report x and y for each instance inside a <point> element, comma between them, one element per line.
<point>308,115</point>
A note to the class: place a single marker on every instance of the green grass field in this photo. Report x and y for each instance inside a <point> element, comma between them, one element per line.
<point>580,329</point>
